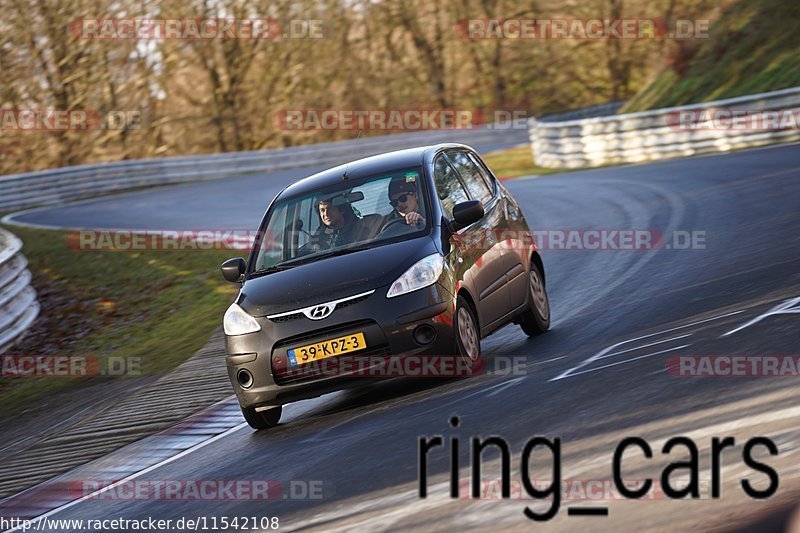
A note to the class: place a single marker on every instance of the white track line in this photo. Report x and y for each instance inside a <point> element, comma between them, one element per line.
<point>785,307</point>
<point>136,475</point>
<point>604,351</point>
<point>550,360</point>
<point>627,360</point>
<point>644,346</point>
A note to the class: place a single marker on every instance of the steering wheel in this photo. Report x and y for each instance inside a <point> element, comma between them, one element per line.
<point>391,223</point>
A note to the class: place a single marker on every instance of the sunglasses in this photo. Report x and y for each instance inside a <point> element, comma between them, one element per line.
<point>402,198</point>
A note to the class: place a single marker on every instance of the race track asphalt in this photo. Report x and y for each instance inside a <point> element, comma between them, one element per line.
<point>573,383</point>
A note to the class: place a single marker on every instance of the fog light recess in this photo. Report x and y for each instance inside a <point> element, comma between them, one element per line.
<point>245,378</point>
<point>424,334</point>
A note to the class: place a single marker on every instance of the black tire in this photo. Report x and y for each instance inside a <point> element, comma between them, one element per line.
<point>263,419</point>
<point>464,322</point>
<point>536,319</point>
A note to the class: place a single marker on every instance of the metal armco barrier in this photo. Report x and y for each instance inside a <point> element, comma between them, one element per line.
<point>600,110</point>
<point>662,133</point>
<point>18,306</point>
<point>61,185</point>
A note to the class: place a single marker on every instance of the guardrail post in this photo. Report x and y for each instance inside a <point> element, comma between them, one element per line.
<point>18,305</point>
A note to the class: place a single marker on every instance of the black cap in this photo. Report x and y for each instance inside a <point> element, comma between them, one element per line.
<point>401,184</point>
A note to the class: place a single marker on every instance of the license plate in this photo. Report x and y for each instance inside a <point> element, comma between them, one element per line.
<point>329,348</point>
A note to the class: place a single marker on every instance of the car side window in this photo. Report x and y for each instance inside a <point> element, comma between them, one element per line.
<point>487,176</point>
<point>376,200</point>
<point>448,186</point>
<point>470,173</point>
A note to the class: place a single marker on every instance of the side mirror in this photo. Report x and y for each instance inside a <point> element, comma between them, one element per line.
<point>466,213</point>
<point>233,269</point>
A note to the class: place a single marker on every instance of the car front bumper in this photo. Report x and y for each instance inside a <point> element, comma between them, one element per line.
<point>387,323</point>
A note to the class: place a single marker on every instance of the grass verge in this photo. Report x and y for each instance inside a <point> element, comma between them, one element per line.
<point>157,306</point>
<point>515,162</point>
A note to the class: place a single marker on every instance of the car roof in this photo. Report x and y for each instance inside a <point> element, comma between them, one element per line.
<point>376,164</point>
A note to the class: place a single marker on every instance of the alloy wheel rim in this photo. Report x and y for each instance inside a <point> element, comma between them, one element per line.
<point>467,333</point>
<point>539,295</point>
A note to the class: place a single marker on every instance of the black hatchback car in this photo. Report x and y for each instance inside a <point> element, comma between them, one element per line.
<point>411,254</point>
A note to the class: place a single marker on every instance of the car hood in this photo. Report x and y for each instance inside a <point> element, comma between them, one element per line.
<point>332,278</point>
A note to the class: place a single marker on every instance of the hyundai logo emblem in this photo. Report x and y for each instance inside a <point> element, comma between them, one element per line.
<point>319,312</point>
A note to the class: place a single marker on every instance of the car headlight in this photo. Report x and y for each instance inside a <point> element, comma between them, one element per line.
<point>237,322</point>
<point>424,272</point>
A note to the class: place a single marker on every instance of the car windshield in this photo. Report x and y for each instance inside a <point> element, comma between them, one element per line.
<point>354,215</point>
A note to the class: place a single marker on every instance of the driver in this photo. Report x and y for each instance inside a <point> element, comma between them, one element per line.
<point>404,198</point>
<point>338,224</point>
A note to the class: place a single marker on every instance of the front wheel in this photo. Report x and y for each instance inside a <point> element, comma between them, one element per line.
<point>536,319</point>
<point>468,336</point>
<point>262,419</point>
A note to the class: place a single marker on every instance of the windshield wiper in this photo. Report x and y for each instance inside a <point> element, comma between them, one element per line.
<point>269,270</point>
<point>290,263</point>
<point>341,251</point>
<point>302,260</point>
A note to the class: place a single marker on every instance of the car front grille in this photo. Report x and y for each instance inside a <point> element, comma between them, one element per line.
<point>340,305</point>
<point>287,318</point>
<point>348,303</point>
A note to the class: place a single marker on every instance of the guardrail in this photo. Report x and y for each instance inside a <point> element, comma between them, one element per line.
<point>599,110</point>
<point>18,305</point>
<point>55,186</point>
<point>663,133</point>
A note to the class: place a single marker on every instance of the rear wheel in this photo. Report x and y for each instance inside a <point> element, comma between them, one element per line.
<point>262,419</point>
<point>536,319</point>
<point>468,336</point>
